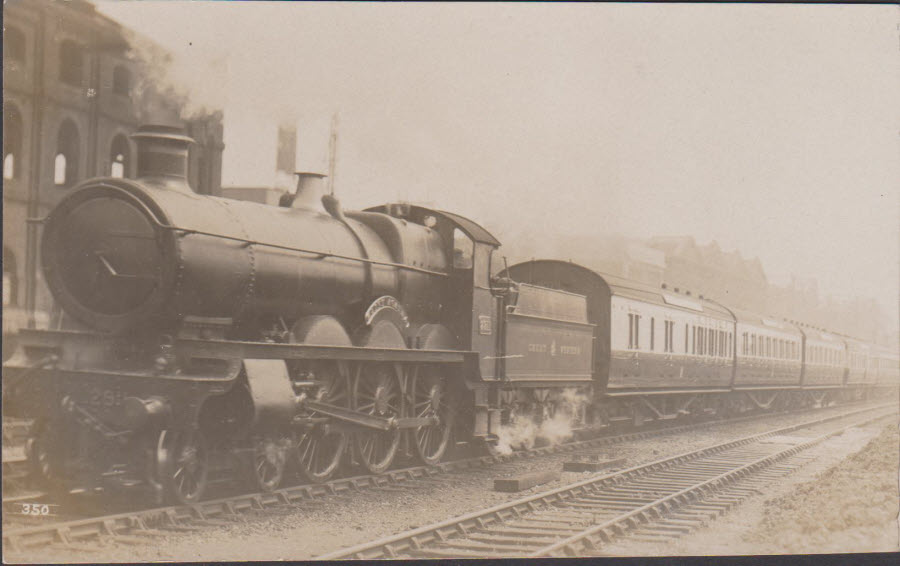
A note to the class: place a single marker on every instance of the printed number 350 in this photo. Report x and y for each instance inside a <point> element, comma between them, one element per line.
<point>35,509</point>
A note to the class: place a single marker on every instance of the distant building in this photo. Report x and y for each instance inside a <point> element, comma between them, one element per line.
<point>612,254</point>
<point>708,271</point>
<point>72,94</point>
<point>273,173</point>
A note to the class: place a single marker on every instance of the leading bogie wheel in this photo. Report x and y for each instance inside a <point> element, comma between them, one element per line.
<point>267,463</point>
<point>45,459</point>
<point>377,392</point>
<point>183,457</point>
<point>429,399</point>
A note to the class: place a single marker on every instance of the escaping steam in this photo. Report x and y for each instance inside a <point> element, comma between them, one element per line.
<point>523,432</point>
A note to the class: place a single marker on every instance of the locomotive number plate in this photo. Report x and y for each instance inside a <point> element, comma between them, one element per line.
<point>485,326</point>
<point>98,398</point>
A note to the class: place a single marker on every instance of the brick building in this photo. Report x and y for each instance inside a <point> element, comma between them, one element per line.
<point>72,93</point>
<point>709,271</point>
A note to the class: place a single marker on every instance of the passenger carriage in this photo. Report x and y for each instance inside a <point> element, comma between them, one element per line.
<point>825,360</point>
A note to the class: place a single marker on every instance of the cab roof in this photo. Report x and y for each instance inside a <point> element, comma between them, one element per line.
<point>471,229</point>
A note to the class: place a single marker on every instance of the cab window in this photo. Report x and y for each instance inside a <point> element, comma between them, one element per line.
<point>463,249</point>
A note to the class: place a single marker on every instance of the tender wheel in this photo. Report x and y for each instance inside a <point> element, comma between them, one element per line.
<point>377,391</point>
<point>184,461</point>
<point>429,399</point>
<point>267,463</point>
<point>319,450</point>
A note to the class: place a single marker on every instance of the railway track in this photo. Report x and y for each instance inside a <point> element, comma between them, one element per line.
<point>118,527</point>
<point>655,501</point>
<point>131,527</point>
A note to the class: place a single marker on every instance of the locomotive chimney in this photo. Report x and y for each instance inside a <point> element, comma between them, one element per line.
<point>310,190</point>
<point>162,153</point>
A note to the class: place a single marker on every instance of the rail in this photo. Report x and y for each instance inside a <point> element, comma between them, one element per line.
<point>583,498</point>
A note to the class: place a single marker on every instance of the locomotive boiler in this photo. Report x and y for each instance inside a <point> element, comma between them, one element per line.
<point>122,255</point>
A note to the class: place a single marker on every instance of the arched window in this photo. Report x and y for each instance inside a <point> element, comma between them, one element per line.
<point>14,44</point>
<point>121,83</point>
<point>10,280</point>
<point>12,143</point>
<point>65,165</point>
<point>119,157</point>
<point>71,63</point>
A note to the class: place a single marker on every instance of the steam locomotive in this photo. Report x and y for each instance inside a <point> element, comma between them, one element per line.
<point>202,335</point>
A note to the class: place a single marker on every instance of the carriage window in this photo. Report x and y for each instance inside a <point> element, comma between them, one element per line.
<point>630,331</point>
<point>463,249</point>
<point>637,331</point>
<point>700,332</point>
<point>634,331</point>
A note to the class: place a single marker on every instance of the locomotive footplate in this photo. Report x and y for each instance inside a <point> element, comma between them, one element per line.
<point>230,349</point>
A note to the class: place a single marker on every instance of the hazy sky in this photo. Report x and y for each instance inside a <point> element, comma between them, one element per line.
<point>771,129</point>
